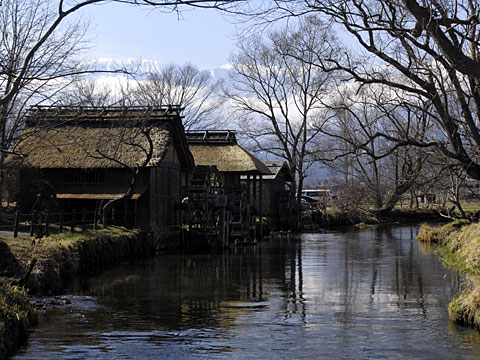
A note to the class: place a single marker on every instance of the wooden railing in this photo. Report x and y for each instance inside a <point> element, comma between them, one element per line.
<point>39,223</point>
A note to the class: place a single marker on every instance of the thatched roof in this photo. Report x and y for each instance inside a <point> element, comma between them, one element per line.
<point>277,167</point>
<point>79,137</point>
<point>76,147</point>
<point>227,158</point>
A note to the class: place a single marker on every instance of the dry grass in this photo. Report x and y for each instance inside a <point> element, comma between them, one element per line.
<point>460,248</point>
<point>465,308</point>
<point>17,315</point>
<point>443,235</point>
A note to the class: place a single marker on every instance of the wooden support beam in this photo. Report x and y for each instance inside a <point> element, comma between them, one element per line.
<point>47,223</point>
<point>72,223</point>
<point>17,222</point>
<point>32,224</point>
<point>260,205</point>
<point>60,227</point>
<point>84,220</point>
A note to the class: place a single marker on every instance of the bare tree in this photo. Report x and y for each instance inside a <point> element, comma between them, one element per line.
<point>88,93</point>
<point>125,136</point>
<point>451,181</point>
<point>279,95</point>
<point>350,143</point>
<point>28,77</point>
<point>38,49</point>
<point>185,86</point>
<point>51,21</point>
<point>428,49</point>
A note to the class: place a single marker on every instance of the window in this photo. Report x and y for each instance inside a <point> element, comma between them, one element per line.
<point>74,176</point>
<point>96,176</point>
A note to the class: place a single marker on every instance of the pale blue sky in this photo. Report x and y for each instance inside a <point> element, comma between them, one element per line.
<point>203,36</point>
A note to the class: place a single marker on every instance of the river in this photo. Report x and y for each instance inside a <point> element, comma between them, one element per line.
<point>374,293</point>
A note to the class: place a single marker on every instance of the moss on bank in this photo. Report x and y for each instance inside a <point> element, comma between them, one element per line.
<point>51,263</point>
<point>460,248</point>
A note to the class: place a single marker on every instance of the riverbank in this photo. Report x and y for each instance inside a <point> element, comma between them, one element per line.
<point>47,266</point>
<point>351,218</point>
<point>17,316</point>
<point>459,243</point>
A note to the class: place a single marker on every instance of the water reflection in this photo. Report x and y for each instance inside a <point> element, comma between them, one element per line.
<point>371,293</point>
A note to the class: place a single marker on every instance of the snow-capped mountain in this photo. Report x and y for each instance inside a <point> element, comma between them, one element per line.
<point>139,67</point>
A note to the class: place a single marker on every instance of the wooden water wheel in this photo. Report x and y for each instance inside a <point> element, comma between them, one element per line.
<point>203,190</point>
<point>240,212</point>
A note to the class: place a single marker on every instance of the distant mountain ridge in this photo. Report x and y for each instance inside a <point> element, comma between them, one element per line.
<point>140,67</point>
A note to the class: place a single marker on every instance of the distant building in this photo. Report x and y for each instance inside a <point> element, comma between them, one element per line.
<point>276,194</point>
<point>220,148</point>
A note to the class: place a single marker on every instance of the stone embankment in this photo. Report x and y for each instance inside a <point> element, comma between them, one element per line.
<point>47,266</point>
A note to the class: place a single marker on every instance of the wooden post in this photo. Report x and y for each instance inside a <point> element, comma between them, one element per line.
<point>17,221</point>
<point>222,226</point>
<point>260,205</point>
<point>254,200</point>
<point>72,224</point>
<point>255,191</point>
<point>125,215</point>
<point>32,224</point>
<point>136,211</point>
<point>47,222</point>
<point>84,219</point>
<point>95,218</point>
<point>60,226</point>
<point>113,216</point>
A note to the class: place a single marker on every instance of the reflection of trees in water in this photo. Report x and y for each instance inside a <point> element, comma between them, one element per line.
<point>350,272</point>
<point>392,259</point>
<point>294,302</point>
<point>189,290</point>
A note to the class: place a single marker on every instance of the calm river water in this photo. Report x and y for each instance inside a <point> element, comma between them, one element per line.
<point>362,294</point>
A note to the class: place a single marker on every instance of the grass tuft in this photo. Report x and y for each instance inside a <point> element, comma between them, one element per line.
<point>459,246</point>
<point>17,315</point>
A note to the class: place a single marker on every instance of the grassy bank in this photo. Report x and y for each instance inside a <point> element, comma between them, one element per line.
<point>17,315</point>
<point>46,267</point>
<point>459,243</point>
<point>336,218</point>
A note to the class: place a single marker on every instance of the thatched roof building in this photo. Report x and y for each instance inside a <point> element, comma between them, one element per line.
<point>220,148</point>
<point>91,155</point>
